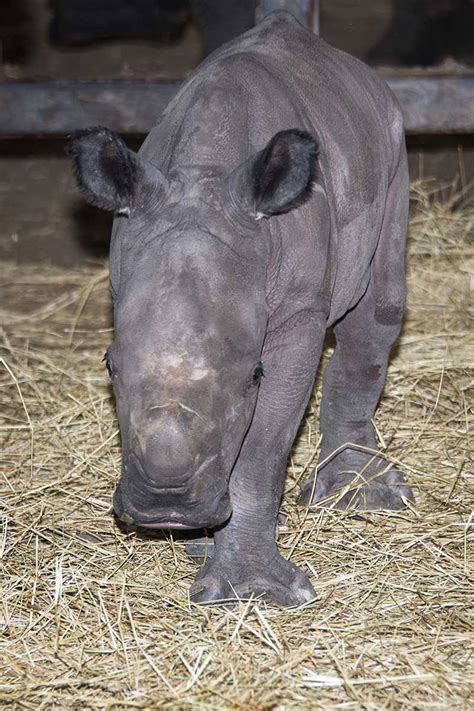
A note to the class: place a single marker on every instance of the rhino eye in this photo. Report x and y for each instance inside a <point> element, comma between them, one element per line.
<point>258,373</point>
<point>108,364</point>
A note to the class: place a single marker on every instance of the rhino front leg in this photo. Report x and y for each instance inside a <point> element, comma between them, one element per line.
<point>246,560</point>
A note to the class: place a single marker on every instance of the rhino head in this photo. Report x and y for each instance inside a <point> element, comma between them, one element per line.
<point>189,264</point>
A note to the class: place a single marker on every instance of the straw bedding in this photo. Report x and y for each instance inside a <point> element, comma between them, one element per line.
<point>92,617</point>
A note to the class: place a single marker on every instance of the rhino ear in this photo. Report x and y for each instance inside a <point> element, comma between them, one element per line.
<point>282,174</point>
<point>108,172</point>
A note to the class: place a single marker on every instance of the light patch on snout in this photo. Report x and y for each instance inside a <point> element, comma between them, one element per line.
<point>198,373</point>
<point>177,369</point>
<point>173,360</point>
<point>180,367</point>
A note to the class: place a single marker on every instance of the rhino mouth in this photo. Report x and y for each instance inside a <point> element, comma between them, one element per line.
<point>166,524</point>
<point>129,520</point>
<point>205,522</point>
<point>214,514</point>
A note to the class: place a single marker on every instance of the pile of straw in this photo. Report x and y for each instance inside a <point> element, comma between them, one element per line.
<point>92,617</point>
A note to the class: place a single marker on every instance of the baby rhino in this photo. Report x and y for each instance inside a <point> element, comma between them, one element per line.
<point>268,204</point>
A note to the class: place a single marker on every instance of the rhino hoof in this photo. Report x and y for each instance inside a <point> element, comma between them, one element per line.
<point>385,492</point>
<point>280,583</point>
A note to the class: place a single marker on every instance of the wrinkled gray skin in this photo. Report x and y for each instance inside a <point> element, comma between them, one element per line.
<point>203,290</point>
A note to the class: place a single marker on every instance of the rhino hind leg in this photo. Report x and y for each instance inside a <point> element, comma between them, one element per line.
<point>356,477</point>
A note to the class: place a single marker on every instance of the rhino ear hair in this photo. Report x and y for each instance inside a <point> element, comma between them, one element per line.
<point>283,173</point>
<point>106,170</point>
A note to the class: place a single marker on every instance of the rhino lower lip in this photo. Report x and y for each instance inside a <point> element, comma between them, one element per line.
<point>169,523</point>
<point>126,512</point>
<point>126,518</point>
<point>166,524</point>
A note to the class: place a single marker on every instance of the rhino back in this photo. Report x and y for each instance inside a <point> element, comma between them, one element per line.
<point>279,76</point>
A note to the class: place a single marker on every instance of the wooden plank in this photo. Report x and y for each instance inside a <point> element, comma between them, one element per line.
<point>435,104</point>
<point>58,108</point>
<point>430,105</point>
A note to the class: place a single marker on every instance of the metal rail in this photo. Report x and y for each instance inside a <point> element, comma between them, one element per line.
<point>430,105</point>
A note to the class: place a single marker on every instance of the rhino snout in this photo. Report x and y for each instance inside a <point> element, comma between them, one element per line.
<point>173,475</point>
<point>172,443</point>
<point>203,502</point>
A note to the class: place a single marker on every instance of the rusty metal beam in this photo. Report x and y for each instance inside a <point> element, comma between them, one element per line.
<point>430,105</point>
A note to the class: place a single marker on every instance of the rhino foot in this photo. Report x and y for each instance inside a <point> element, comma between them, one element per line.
<point>273,579</point>
<point>369,491</point>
